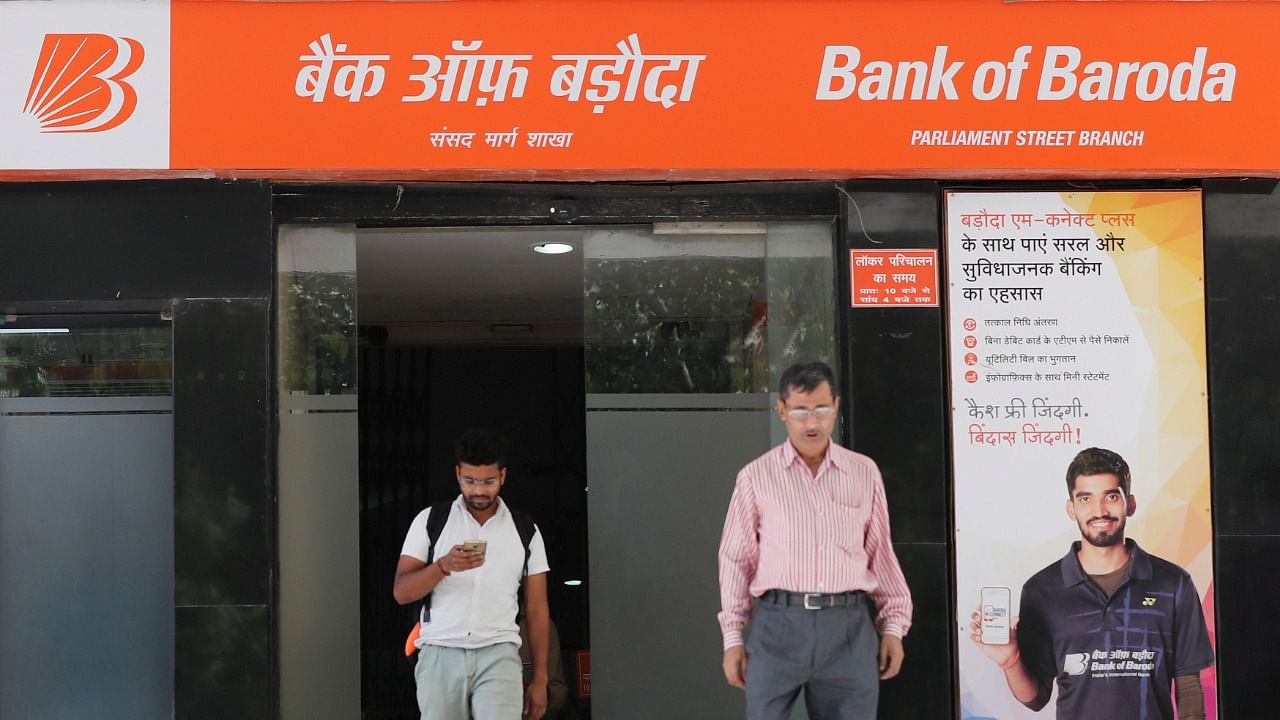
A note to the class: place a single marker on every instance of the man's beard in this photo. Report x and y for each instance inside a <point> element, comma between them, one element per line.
<point>480,502</point>
<point>1102,538</point>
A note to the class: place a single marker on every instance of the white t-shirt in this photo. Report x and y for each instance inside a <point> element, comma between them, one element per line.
<point>475,608</point>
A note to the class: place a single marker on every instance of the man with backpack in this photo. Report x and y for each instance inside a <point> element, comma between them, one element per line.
<point>467,560</point>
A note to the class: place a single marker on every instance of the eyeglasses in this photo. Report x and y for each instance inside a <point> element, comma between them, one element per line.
<point>822,412</point>
<point>474,482</point>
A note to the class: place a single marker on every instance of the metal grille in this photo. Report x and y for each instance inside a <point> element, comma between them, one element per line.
<point>394,430</point>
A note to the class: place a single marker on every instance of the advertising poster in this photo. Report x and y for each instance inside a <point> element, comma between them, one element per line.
<point>1077,321</point>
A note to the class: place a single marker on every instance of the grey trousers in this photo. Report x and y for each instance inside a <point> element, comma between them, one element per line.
<point>832,653</point>
<point>457,684</point>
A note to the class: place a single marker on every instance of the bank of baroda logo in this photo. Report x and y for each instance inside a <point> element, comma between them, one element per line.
<point>78,85</point>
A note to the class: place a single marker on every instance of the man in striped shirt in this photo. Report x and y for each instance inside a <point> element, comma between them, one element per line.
<point>807,533</point>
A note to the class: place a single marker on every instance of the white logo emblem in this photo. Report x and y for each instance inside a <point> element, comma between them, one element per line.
<point>86,87</point>
<point>1075,663</point>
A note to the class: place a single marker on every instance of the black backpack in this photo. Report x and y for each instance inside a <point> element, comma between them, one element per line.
<point>440,511</point>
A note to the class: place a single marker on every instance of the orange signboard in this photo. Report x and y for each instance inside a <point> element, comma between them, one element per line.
<point>894,278</point>
<point>632,88</point>
<point>656,89</point>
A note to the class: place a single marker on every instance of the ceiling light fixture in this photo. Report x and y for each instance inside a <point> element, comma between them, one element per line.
<point>553,248</point>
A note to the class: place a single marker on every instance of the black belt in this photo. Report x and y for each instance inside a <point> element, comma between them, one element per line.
<point>813,601</point>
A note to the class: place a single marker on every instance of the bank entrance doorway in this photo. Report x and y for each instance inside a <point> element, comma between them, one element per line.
<point>631,376</point>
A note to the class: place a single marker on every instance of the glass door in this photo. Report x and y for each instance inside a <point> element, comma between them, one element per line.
<point>688,326</point>
<point>318,515</point>
<point>86,517</point>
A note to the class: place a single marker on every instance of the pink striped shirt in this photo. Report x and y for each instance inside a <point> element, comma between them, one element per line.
<point>828,532</point>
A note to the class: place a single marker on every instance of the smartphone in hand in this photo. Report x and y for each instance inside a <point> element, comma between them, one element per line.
<point>474,546</point>
<point>995,615</point>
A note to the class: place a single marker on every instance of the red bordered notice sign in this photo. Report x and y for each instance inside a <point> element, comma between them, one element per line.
<point>894,278</point>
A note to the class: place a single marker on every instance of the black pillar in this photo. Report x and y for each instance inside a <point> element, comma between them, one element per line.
<point>897,403</point>
<point>1242,279</point>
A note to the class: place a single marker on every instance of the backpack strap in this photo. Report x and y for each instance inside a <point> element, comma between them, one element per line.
<point>436,519</point>
<point>526,528</point>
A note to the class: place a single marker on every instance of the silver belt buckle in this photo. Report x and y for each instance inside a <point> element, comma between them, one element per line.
<point>810,596</point>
